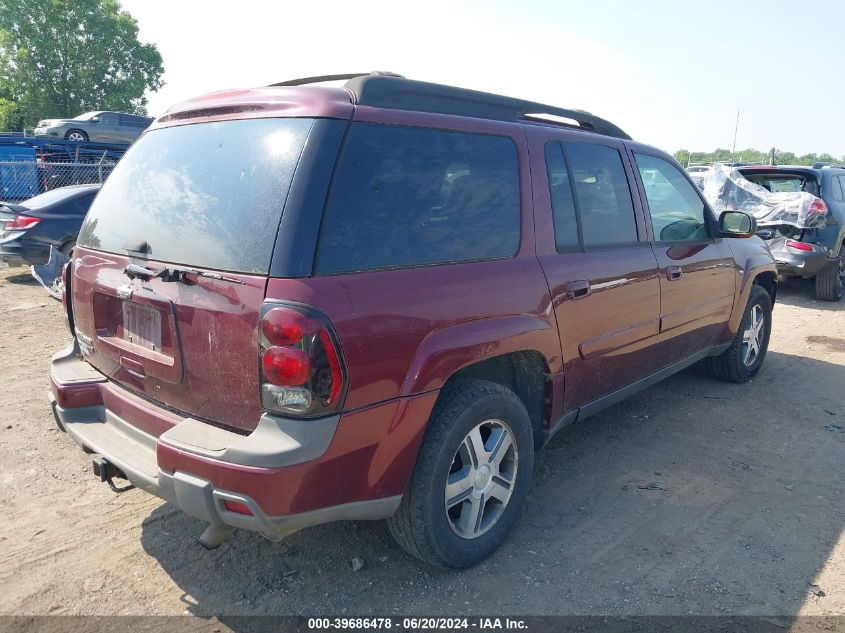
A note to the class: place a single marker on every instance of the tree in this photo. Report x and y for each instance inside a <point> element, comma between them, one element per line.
<point>754,156</point>
<point>8,110</point>
<point>59,58</point>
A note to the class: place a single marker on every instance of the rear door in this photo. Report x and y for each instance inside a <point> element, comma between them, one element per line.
<point>204,198</point>
<point>600,268</point>
<point>130,127</point>
<point>697,269</point>
<point>106,130</point>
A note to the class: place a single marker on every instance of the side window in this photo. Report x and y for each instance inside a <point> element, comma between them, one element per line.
<point>108,119</point>
<point>676,209</point>
<point>405,196</point>
<point>603,195</point>
<point>838,185</point>
<point>563,204</point>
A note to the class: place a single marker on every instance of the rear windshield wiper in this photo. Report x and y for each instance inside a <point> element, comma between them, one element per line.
<point>134,271</point>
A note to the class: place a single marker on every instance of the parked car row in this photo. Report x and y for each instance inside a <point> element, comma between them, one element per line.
<point>52,219</point>
<point>104,127</point>
<point>321,304</point>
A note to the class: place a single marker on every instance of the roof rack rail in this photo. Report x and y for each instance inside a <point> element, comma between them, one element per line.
<point>321,78</point>
<point>386,90</point>
<point>821,165</point>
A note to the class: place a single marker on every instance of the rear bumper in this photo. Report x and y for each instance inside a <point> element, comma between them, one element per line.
<point>289,473</point>
<point>12,259</point>
<point>792,261</point>
<point>20,252</point>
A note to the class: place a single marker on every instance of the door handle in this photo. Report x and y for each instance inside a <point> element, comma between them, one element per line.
<point>578,289</point>
<point>673,273</point>
<point>133,367</point>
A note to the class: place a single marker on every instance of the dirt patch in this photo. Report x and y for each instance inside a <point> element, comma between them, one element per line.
<point>693,497</point>
<point>832,343</point>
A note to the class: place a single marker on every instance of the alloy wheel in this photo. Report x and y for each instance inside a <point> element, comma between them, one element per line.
<point>481,479</point>
<point>75,137</point>
<point>752,337</point>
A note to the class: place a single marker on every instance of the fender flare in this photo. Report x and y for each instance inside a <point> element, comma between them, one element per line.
<point>448,350</point>
<point>754,266</point>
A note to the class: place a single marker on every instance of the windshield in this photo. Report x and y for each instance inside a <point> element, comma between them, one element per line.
<point>85,117</point>
<point>208,194</point>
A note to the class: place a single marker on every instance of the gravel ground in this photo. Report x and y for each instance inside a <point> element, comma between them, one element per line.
<point>693,497</point>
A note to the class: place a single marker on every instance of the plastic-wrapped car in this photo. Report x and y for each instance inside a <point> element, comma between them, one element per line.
<point>800,212</point>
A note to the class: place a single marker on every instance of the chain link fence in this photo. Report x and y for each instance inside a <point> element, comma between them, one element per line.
<point>22,179</point>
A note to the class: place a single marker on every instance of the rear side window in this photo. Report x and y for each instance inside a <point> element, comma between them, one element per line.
<point>405,196</point>
<point>207,194</point>
<point>676,209</point>
<point>129,120</point>
<point>837,183</point>
<point>603,195</point>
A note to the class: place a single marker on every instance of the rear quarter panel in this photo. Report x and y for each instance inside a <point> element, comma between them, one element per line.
<point>405,332</point>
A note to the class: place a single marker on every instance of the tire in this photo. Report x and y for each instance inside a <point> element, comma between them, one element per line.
<point>737,364</point>
<point>76,136</point>
<point>448,533</point>
<point>830,283</point>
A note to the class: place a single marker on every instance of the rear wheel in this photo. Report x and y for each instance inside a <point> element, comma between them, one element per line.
<point>76,136</point>
<point>744,358</point>
<point>830,283</point>
<point>471,478</point>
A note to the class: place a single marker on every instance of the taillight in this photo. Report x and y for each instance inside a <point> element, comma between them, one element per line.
<point>22,223</point>
<point>286,366</point>
<point>818,207</point>
<point>801,246</point>
<point>302,370</point>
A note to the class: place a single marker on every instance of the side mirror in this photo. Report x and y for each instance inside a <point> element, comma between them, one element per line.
<point>94,119</point>
<point>737,224</point>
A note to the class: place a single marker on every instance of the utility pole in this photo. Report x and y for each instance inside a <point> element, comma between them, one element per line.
<point>736,129</point>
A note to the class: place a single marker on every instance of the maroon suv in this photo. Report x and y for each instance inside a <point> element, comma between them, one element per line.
<point>303,304</point>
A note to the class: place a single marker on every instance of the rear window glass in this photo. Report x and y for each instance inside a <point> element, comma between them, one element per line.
<point>207,195</point>
<point>783,183</point>
<point>52,197</point>
<point>406,196</point>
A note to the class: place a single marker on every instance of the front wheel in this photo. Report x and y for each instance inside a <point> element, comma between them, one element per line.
<point>744,358</point>
<point>830,283</point>
<point>471,479</point>
<point>76,136</point>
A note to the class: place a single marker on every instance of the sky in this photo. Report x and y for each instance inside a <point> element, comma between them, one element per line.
<point>671,74</point>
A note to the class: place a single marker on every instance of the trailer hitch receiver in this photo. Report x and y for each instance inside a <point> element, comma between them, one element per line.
<point>105,471</point>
